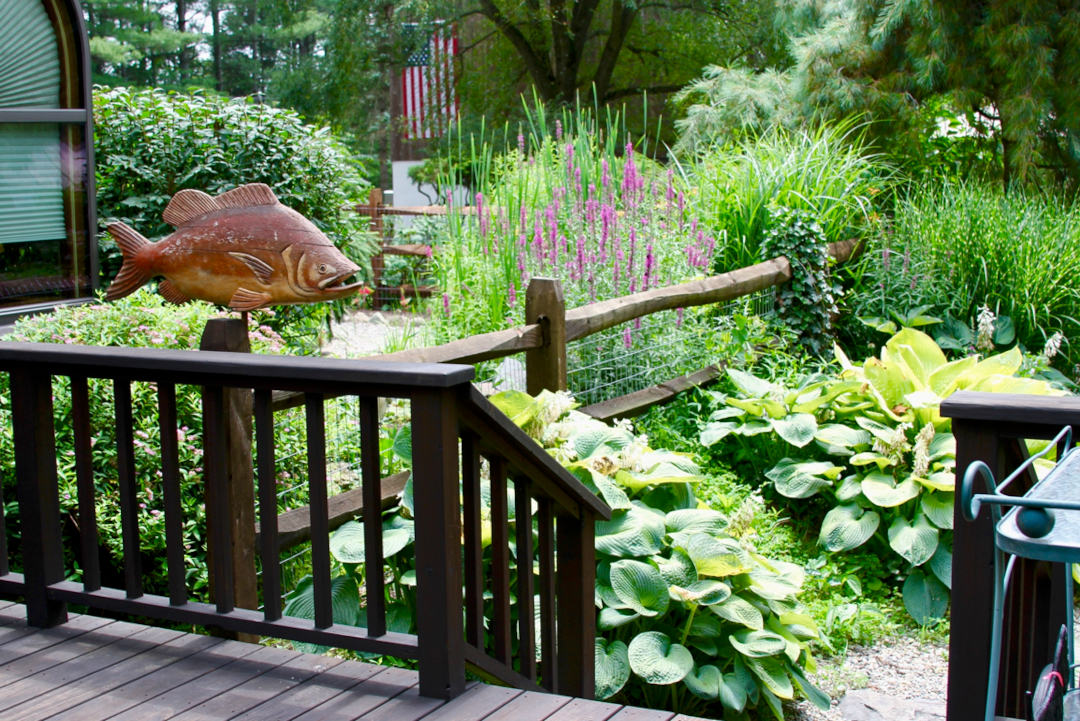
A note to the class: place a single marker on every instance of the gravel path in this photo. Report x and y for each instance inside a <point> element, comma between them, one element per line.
<point>370,333</point>
<point>899,667</point>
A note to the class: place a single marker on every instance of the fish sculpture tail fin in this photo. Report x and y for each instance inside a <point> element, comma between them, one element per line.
<point>131,276</point>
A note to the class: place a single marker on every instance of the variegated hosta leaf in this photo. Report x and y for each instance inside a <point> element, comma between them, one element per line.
<point>612,667</point>
<point>915,541</point>
<point>704,682</point>
<point>940,481</point>
<point>848,526</point>
<point>679,570</point>
<point>630,533</point>
<point>880,431</point>
<point>881,490</point>
<point>657,660</point>
<point>938,507</point>
<point>867,457</point>
<point>739,610</point>
<point>718,557</point>
<point>663,467</point>
<point>802,479</point>
<point>696,519</point>
<point>703,593</point>
<point>640,587</point>
<point>797,429</point>
<point>758,644</point>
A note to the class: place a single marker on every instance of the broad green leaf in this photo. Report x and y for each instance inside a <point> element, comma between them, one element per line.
<point>614,617</point>
<point>800,621</point>
<point>798,479</point>
<point>813,694</point>
<point>925,597</point>
<point>834,391</point>
<point>601,485</point>
<point>943,379</point>
<point>841,440</point>
<point>941,565</point>
<point>347,543</point>
<point>797,429</point>
<point>772,586</point>
<point>714,432</point>
<point>868,457</point>
<point>657,660</point>
<point>941,481</point>
<point>702,593</point>
<point>679,570</point>
<point>732,693</point>
<point>772,673</point>
<point>1005,364</point>
<point>1004,330</point>
<point>750,385</point>
<point>599,440</point>
<point>758,644</point>
<point>630,533</point>
<point>344,600</point>
<point>850,488</point>
<point>879,324</point>
<point>696,519</point>
<point>943,444</point>
<point>717,557</point>
<point>723,414</point>
<point>612,667</point>
<point>639,586</point>
<point>403,443</point>
<point>923,355</point>
<point>847,527</point>
<point>938,507</point>
<point>740,611</point>
<point>518,406</point>
<point>753,428</point>
<point>704,682</point>
<point>916,541</point>
<point>706,626</point>
<point>747,679</point>
<point>881,489</point>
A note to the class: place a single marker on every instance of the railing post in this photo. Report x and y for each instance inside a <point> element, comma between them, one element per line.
<point>231,335</point>
<point>576,556</point>
<point>440,628</point>
<point>545,367</point>
<point>38,494</point>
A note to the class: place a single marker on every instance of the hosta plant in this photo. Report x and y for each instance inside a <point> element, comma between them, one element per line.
<point>872,441</point>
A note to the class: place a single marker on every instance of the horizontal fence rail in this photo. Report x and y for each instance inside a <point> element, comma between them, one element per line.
<point>450,421</point>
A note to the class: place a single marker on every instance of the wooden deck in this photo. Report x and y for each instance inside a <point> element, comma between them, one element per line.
<point>93,668</point>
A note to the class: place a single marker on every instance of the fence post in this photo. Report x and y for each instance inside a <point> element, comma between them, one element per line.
<point>231,335</point>
<point>545,367</point>
<point>375,201</point>
<point>575,541</point>
<point>440,625</point>
<point>38,494</point>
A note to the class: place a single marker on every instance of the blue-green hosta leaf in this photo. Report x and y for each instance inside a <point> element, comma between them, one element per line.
<point>915,542</point>
<point>705,645</point>
<point>938,507</point>
<point>612,667</point>
<point>344,599</point>
<point>846,527</point>
<point>798,429</point>
<point>407,496</point>
<point>696,519</point>
<point>773,675</point>
<point>614,617</point>
<point>925,597</point>
<point>630,533</point>
<point>750,385</point>
<point>602,486</point>
<point>640,587</point>
<point>739,610</point>
<point>403,444</point>
<point>850,488</point>
<point>706,626</point>
<point>679,570</point>
<point>704,682</point>
<point>347,543</point>
<point>941,565</point>
<point>943,444</point>
<point>518,406</point>
<point>701,593</point>
<point>813,694</point>
<point>657,660</point>
<point>881,490</point>
<point>802,479</point>
<point>599,440</point>
<point>607,596</point>
<point>717,557</point>
<point>758,644</point>
<point>732,693</point>
<point>841,440</point>
<point>716,431</point>
<point>398,619</point>
<point>747,679</point>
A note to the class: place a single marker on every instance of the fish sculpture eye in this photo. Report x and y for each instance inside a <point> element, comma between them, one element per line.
<point>322,268</point>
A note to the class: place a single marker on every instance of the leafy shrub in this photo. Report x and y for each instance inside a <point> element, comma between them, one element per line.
<point>872,442</point>
<point>151,144</point>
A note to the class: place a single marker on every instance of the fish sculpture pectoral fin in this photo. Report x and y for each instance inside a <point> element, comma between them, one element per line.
<point>131,276</point>
<point>171,293</point>
<point>244,299</point>
<point>261,269</point>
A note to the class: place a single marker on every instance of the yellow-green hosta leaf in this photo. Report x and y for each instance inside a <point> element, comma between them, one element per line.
<point>832,392</point>
<point>1009,384</point>
<point>890,381</point>
<point>881,490</point>
<point>518,406</point>
<point>640,587</point>
<point>739,610</point>
<point>943,379</point>
<point>868,457</point>
<point>612,667</point>
<point>717,557</point>
<point>848,526</point>
<point>940,481</point>
<point>657,660</point>
<point>772,587</point>
<point>915,541</point>
<point>753,406</point>
<point>919,350</point>
<point>1005,364</point>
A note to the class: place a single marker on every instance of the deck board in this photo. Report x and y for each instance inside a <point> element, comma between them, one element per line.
<point>94,669</point>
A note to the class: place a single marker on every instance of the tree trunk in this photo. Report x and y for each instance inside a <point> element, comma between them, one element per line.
<point>181,25</point>
<point>216,19</point>
<point>622,19</point>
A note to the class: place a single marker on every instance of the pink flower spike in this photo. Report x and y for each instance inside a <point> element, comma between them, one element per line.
<point>627,339</point>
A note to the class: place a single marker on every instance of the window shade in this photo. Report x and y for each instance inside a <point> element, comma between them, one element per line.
<point>31,192</point>
<point>29,56</point>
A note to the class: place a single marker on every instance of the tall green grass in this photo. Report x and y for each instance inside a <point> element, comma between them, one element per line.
<point>957,247</point>
<point>827,171</point>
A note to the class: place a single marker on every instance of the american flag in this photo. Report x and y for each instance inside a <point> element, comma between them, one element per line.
<point>427,86</point>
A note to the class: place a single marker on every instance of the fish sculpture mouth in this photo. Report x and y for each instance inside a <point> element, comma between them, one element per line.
<point>336,284</point>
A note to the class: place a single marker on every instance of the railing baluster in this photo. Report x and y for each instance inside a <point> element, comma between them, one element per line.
<point>526,630</point>
<point>320,525</point>
<point>268,516</point>
<point>546,541</point>
<point>576,620</point>
<point>170,481</point>
<point>474,548</point>
<point>500,560</point>
<point>129,499</point>
<point>84,475</point>
<point>5,567</point>
<point>371,489</point>
<point>38,493</point>
<point>216,484</point>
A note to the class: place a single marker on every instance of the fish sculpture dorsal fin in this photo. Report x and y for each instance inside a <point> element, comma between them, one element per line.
<point>187,205</point>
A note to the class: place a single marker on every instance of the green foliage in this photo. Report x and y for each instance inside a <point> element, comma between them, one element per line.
<point>807,303</point>
<point>871,441</point>
<point>151,144</point>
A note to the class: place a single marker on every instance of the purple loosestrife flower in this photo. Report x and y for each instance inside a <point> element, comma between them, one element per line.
<point>650,266</point>
<point>605,174</point>
<point>627,339</point>
<point>637,324</point>
<point>581,255</point>
<point>618,268</point>
<point>682,210</point>
<point>633,284</point>
<point>670,186</point>
<point>558,129</point>
<point>480,215</point>
<point>446,304</point>
<point>678,317</point>
<point>511,296</point>
<point>524,218</point>
<point>885,259</point>
<point>521,144</point>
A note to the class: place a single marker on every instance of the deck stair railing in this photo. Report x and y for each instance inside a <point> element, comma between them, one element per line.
<point>453,427</point>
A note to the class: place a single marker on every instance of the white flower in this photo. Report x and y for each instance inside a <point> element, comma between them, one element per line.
<point>1053,345</point>
<point>922,451</point>
<point>986,321</point>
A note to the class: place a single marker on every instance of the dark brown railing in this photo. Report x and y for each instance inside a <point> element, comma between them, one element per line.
<point>992,428</point>
<point>449,420</point>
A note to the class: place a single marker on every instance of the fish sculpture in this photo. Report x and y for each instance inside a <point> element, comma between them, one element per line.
<point>242,249</point>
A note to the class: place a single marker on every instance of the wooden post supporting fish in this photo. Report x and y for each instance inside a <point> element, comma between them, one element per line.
<point>545,367</point>
<point>231,335</point>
